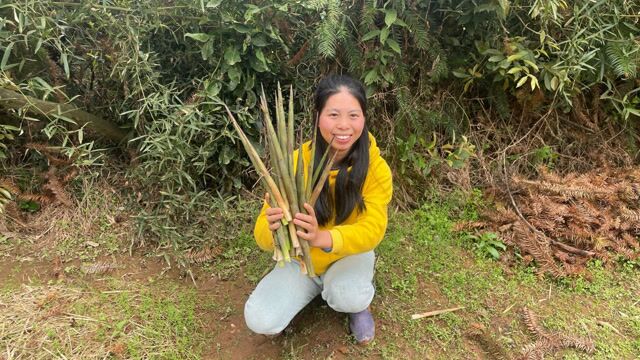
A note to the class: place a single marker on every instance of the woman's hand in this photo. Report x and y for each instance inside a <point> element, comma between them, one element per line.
<point>315,237</point>
<point>274,215</point>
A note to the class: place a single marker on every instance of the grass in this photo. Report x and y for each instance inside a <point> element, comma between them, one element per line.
<point>422,266</point>
<point>118,319</point>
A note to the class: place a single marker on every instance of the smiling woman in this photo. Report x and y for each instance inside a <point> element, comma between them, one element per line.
<point>342,117</point>
<point>345,225</point>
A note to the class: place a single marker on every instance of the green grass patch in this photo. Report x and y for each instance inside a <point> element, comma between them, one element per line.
<point>423,265</point>
<point>122,319</point>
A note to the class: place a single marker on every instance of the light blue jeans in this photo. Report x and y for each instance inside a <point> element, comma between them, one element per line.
<point>347,286</point>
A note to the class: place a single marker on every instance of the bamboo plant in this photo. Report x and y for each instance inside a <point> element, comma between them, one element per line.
<point>286,184</point>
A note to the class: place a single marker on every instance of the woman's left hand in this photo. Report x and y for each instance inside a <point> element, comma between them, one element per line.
<point>309,222</point>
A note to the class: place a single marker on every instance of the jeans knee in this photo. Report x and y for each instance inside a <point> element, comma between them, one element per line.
<point>261,320</point>
<point>347,297</point>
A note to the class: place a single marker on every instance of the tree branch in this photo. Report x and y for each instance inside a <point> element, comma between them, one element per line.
<point>15,100</point>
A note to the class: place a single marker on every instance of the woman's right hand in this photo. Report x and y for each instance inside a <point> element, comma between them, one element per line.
<point>274,215</point>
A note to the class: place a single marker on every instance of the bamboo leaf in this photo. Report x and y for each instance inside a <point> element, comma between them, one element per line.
<point>65,64</point>
<point>5,57</point>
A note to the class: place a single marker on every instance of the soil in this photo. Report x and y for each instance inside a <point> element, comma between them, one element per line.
<point>228,336</point>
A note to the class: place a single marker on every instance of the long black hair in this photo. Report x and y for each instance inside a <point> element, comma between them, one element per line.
<point>347,193</point>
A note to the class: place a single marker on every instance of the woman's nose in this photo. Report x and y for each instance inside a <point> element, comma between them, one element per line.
<point>342,122</point>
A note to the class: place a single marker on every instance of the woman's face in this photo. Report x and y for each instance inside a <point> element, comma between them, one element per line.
<point>343,120</point>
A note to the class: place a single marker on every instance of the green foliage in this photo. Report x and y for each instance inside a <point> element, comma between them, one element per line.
<point>624,57</point>
<point>161,70</point>
<point>7,135</point>
<point>487,244</point>
<point>544,155</point>
<point>331,30</point>
<point>564,47</point>
<point>418,157</point>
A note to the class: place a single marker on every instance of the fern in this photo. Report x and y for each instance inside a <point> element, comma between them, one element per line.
<point>418,28</point>
<point>403,73</point>
<point>368,17</point>
<point>331,30</point>
<point>353,53</point>
<point>624,58</point>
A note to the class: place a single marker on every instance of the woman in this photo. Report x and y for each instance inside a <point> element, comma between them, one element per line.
<point>347,223</point>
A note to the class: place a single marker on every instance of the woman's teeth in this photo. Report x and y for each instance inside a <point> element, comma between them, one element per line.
<point>343,137</point>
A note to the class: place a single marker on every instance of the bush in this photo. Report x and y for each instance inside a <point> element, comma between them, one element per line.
<point>150,77</point>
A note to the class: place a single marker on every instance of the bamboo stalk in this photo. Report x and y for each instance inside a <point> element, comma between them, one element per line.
<point>277,145</point>
<point>300,187</point>
<point>287,186</point>
<point>309,184</point>
<point>323,177</point>
<point>282,126</point>
<point>302,247</point>
<point>278,172</point>
<point>320,169</point>
<point>290,125</point>
<point>302,197</point>
<point>281,238</point>
<point>434,313</point>
<point>281,168</point>
<point>259,165</point>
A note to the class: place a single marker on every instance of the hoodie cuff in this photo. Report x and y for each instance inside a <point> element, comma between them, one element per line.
<point>336,237</point>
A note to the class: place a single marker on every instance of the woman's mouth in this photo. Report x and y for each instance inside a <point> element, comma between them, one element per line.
<point>342,138</point>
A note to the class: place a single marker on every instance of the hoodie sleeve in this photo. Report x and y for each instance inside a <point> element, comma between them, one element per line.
<point>370,225</point>
<point>261,232</point>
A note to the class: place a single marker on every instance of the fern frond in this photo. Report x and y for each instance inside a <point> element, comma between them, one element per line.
<point>367,17</point>
<point>419,30</point>
<point>624,58</point>
<point>331,30</point>
<point>353,53</point>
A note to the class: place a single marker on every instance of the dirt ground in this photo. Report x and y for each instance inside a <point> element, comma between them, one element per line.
<point>75,292</point>
<point>225,334</point>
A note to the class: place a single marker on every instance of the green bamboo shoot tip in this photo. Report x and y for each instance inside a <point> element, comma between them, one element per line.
<point>260,167</point>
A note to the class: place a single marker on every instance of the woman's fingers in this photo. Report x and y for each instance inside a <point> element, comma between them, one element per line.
<point>273,211</point>
<point>310,210</point>
<point>310,227</point>
<point>274,215</point>
<point>306,218</point>
<point>274,218</point>
<point>304,235</point>
<point>274,226</point>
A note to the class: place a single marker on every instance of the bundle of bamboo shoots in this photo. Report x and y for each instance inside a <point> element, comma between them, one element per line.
<point>287,187</point>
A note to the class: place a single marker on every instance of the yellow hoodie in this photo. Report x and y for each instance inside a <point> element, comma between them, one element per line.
<point>361,232</point>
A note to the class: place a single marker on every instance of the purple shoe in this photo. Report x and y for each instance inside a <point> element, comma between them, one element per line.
<point>362,326</point>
